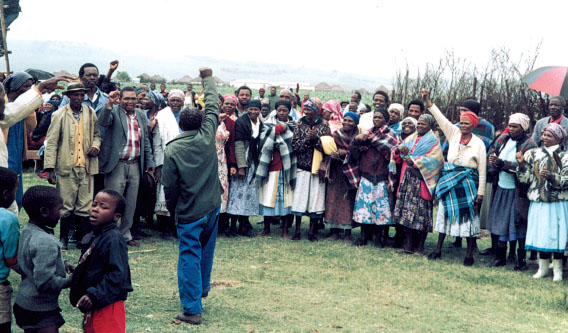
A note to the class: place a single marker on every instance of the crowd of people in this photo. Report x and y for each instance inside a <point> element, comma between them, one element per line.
<point>203,164</point>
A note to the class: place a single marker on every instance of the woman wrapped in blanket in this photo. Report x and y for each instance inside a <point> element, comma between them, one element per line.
<point>420,160</point>
<point>545,170</point>
<point>276,172</point>
<point>462,183</point>
<point>510,206</point>
<point>366,168</point>
<point>309,192</point>
<point>340,197</point>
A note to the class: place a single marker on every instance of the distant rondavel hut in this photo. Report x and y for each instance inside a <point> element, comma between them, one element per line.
<point>184,79</point>
<point>322,86</point>
<point>383,88</point>
<point>218,81</point>
<point>157,79</point>
<point>337,88</point>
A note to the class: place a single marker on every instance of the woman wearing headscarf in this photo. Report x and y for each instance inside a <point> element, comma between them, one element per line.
<point>408,126</point>
<point>331,111</point>
<point>509,209</point>
<point>276,172</point>
<point>15,85</point>
<point>396,110</point>
<point>420,160</point>
<point>229,103</point>
<point>462,183</point>
<point>340,198</point>
<point>309,193</point>
<point>243,192</point>
<point>366,168</point>
<point>545,170</point>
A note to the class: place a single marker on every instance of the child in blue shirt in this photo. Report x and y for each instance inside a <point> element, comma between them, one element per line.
<point>9,233</point>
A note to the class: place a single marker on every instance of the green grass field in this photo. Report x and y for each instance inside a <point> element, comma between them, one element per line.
<point>269,284</point>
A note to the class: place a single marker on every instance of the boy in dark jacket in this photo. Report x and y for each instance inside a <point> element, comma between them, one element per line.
<point>101,281</point>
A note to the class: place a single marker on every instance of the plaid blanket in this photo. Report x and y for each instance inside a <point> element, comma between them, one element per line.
<point>458,189</point>
<point>426,155</point>
<point>269,140</point>
<point>383,139</point>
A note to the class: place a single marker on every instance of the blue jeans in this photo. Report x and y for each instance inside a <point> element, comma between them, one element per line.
<point>196,247</point>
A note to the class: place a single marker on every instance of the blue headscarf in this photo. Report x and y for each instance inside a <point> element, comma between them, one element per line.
<point>353,115</point>
<point>54,103</point>
<point>16,80</point>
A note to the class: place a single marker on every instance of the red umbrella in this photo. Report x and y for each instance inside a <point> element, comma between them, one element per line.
<point>550,79</point>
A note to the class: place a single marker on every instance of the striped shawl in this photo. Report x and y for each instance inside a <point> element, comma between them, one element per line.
<point>283,141</point>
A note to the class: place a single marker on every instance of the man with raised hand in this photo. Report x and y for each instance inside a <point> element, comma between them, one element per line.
<point>195,201</point>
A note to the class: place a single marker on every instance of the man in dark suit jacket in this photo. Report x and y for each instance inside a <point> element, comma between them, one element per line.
<point>126,151</point>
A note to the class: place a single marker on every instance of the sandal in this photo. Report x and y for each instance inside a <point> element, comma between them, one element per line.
<point>297,236</point>
<point>312,238</point>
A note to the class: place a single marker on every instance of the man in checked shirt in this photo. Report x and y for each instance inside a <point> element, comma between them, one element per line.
<point>126,152</point>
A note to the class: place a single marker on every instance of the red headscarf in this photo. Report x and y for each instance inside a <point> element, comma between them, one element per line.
<point>471,117</point>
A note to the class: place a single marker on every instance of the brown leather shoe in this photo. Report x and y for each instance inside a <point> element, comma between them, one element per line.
<point>132,243</point>
<point>190,319</point>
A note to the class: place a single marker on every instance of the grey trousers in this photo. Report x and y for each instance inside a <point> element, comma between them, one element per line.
<point>124,179</point>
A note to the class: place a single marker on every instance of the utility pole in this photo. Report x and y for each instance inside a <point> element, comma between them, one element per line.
<point>4,52</point>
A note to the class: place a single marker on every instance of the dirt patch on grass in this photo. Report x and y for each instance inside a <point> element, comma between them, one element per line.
<point>225,284</point>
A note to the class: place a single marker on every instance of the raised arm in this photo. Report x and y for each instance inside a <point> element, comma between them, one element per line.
<point>105,116</point>
<point>449,129</point>
<point>211,116</point>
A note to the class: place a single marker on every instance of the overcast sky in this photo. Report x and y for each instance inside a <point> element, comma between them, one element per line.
<point>374,37</point>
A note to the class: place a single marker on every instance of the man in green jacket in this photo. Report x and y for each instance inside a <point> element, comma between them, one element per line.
<point>193,191</point>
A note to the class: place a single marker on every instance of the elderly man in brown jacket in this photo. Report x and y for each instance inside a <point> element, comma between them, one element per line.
<point>72,144</point>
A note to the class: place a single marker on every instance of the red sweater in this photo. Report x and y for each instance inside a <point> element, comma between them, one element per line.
<point>276,163</point>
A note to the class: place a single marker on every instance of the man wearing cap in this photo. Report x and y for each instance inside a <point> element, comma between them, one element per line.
<point>556,108</point>
<point>96,99</point>
<point>70,158</point>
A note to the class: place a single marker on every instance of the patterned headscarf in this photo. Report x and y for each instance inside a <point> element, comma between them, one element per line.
<point>157,99</point>
<point>520,119</point>
<point>429,119</point>
<point>557,132</point>
<point>176,93</point>
<point>310,104</point>
<point>335,109</point>
<point>317,102</point>
<point>16,80</point>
